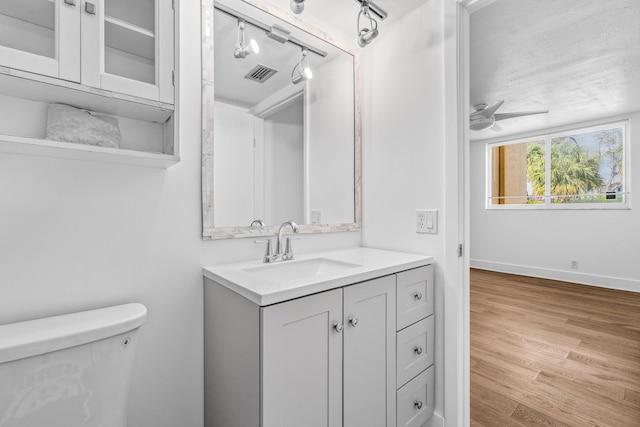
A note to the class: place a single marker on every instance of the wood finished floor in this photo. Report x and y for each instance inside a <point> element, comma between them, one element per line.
<point>548,353</point>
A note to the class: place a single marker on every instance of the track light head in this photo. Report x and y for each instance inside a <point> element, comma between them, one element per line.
<point>366,34</point>
<point>297,6</point>
<point>302,75</point>
<point>301,72</point>
<point>242,51</point>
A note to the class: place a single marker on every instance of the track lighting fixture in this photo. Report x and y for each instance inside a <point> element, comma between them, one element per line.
<point>242,50</point>
<point>301,71</point>
<point>297,6</point>
<point>366,34</point>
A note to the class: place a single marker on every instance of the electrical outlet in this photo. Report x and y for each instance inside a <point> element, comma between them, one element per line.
<point>426,221</point>
<point>316,216</point>
<point>574,264</point>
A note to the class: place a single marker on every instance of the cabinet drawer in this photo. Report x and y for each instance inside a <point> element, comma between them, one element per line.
<point>414,350</point>
<point>414,295</point>
<point>415,400</point>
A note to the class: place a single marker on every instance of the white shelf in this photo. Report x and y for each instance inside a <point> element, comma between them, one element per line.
<point>66,150</point>
<point>128,26</point>
<point>36,12</point>
<point>130,38</point>
<point>35,87</point>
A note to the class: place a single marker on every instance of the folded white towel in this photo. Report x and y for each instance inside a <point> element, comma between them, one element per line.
<point>69,124</point>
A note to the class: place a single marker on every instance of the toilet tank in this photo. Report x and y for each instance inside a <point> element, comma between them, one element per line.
<point>72,370</point>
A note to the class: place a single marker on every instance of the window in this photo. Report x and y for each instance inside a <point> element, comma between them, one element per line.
<point>579,168</point>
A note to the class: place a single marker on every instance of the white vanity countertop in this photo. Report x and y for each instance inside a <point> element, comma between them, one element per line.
<point>369,264</point>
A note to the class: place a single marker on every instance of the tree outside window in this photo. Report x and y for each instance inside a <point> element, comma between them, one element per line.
<point>581,166</point>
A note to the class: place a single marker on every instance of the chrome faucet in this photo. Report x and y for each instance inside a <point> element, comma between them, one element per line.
<point>288,250</point>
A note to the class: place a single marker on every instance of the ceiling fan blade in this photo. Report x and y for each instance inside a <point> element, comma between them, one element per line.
<point>521,114</point>
<point>496,128</point>
<point>491,108</point>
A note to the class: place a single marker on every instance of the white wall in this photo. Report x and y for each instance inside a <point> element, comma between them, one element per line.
<point>331,136</point>
<point>233,166</point>
<point>403,149</point>
<point>542,242</point>
<point>284,165</point>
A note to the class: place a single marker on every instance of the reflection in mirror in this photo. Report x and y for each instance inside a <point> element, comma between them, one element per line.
<point>280,142</point>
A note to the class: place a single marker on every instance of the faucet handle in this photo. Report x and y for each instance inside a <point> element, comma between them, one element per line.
<point>268,256</point>
<point>288,248</point>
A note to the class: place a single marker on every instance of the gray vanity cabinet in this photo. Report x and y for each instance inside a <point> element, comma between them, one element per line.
<point>369,356</point>
<point>302,362</point>
<point>327,359</point>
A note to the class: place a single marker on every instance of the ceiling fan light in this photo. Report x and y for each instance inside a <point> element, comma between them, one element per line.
<point>481,123</point>
<point>297,6</point>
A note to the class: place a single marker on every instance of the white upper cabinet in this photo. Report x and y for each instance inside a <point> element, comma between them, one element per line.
<point>121,46</point>
<point>41,36</point>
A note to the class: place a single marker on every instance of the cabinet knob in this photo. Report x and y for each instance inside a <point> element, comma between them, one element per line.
<point>353,321</point>
<point>418,404</point>
<point>418,349</point>
<point>90,8</point>
<point>418,296</point>
<point>338,327</point>
<point>70,2</point>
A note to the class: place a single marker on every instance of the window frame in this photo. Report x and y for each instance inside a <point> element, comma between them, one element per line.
<point>547,137</point>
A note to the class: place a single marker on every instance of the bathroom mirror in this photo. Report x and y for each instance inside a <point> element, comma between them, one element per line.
<point>273,149</point>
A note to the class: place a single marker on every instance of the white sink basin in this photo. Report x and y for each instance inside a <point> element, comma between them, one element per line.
<point>286,271</point>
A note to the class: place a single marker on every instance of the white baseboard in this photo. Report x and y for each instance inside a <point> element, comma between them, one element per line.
<point>565,276</point>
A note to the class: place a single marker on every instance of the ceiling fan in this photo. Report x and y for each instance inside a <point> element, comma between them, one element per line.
<point>484,116</point>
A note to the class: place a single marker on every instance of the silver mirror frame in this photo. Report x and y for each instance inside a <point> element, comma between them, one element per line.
<point>209,231</point>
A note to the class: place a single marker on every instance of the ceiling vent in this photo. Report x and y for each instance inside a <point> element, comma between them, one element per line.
<point>260,73</point>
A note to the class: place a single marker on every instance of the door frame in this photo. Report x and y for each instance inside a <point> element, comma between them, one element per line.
<point>457,213</point>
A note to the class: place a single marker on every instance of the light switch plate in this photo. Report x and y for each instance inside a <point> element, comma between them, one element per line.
<point>427,221</point>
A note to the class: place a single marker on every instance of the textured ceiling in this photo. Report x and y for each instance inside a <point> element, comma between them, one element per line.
<point>580,59</point>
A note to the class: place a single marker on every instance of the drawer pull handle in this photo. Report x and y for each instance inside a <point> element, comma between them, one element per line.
<point>338,327</point>
<point>70,2</point>
<point>418,296</point>
<point>418,350</point>
<point>353,321</point>
<point>418,404</point>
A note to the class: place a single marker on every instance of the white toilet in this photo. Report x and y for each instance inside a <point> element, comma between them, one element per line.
<point>69,371</point>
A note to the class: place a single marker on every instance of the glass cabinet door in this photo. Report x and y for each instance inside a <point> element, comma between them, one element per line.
<point>130,43</point>
<point>41,36</point>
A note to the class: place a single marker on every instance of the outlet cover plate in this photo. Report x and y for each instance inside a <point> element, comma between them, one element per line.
<point>427,221</point>
<point>316,216</point>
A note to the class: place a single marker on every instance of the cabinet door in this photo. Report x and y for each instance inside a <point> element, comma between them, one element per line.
<point>301,365</point>
<point>369,353</point>
<point>127,47</point>
<point>41,37</point>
